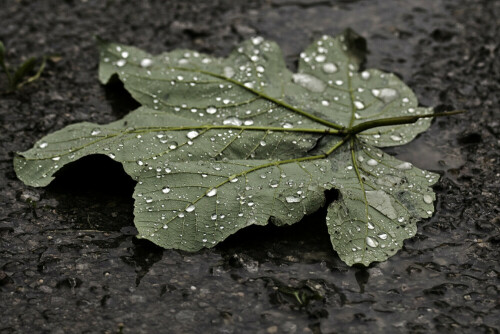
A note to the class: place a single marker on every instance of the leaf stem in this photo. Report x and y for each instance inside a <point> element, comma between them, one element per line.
<point>393,121</point>
<point>235,127</point>
<point>264,96</point>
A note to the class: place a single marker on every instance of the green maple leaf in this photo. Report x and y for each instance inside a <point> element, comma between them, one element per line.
<point>221,144</point>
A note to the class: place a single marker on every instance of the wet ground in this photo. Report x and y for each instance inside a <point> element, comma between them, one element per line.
<point>69,262</point>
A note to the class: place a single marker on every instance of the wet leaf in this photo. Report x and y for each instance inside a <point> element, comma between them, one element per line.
<point>221,144</point>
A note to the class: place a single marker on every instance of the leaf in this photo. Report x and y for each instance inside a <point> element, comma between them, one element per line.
<point>23,70</point>
<point>220,144</point>
<point>199,204</point>
<point>381,199</point>
<point>2,53</point>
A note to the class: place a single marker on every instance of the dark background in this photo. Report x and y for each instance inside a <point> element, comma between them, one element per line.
<point>69,262</point>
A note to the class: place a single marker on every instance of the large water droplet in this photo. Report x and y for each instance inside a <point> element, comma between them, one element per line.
<point>387,94</point>
<point>274,184</point>
<point>95,132</point>
<point>212,192</point>
<point>381,201</point>
<point>320,58</point>
<point>428,199</point>
<point>329,68</point>
<point>211,110</point>
<point>359,105</point>
<point>365,75</point>
<point>190,208</point>
<point>232,121</point>
<point>43,145</point>
<point>192,134</point>
<point>291,199</point>
<point>396,138</point>
<point>121,63</point>
<point>382,236</point>
<point>228,72</point>
<point>124,54</point>
<point>165,190</point>
<point>146,62</point>
<point>257,40</point>
<point>309,82</point>
<point>372,162</point>
<point>371,242</point>
<point>404,165</point>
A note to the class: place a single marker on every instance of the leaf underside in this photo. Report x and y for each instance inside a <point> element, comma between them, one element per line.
<point>221,144</point>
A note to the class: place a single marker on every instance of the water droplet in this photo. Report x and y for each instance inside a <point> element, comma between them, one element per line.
<point>211,110</point>
<point>250,204</point>
<point>146,62</point>
<point>376,92</point>
<point>287,125</point>
<point>404,165</point>
<point>381,201</point>
<point>309,82</point>
<point>192,134</point>
<point>396,138</point>
<point>190,208</point>
<point>212,192</point>
<point>387,94</point>
<point>359,105</point>
<point>262,143</point>
<point>43,145</point>
<point>165,226</point>
<point>140,163</point>
<point>214,216</point>
<point>329,68</point>
<point>95,132</point>
<point>165,190</point>
<point>260,69</point>
<point>124,54</point>
<point>365,75</point>
<point>339,82</point>
<point>257,40</point>
<point>274,184</point>
<point>406,100</point>
<point>228,72</point>
<point>291,199</point>
<point>325,103</point>
<point>56,158</point>
<point>121,63</point>
<point>428,199</point>
<point>232,121</point>
<point>320,58</point>
<point>370,226</point>
<point>372,162</point>
<point>173,145</point>
<point>181,215</point>
<point>382,236</point>
<point>371,242</point>
<point>149,200</point>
